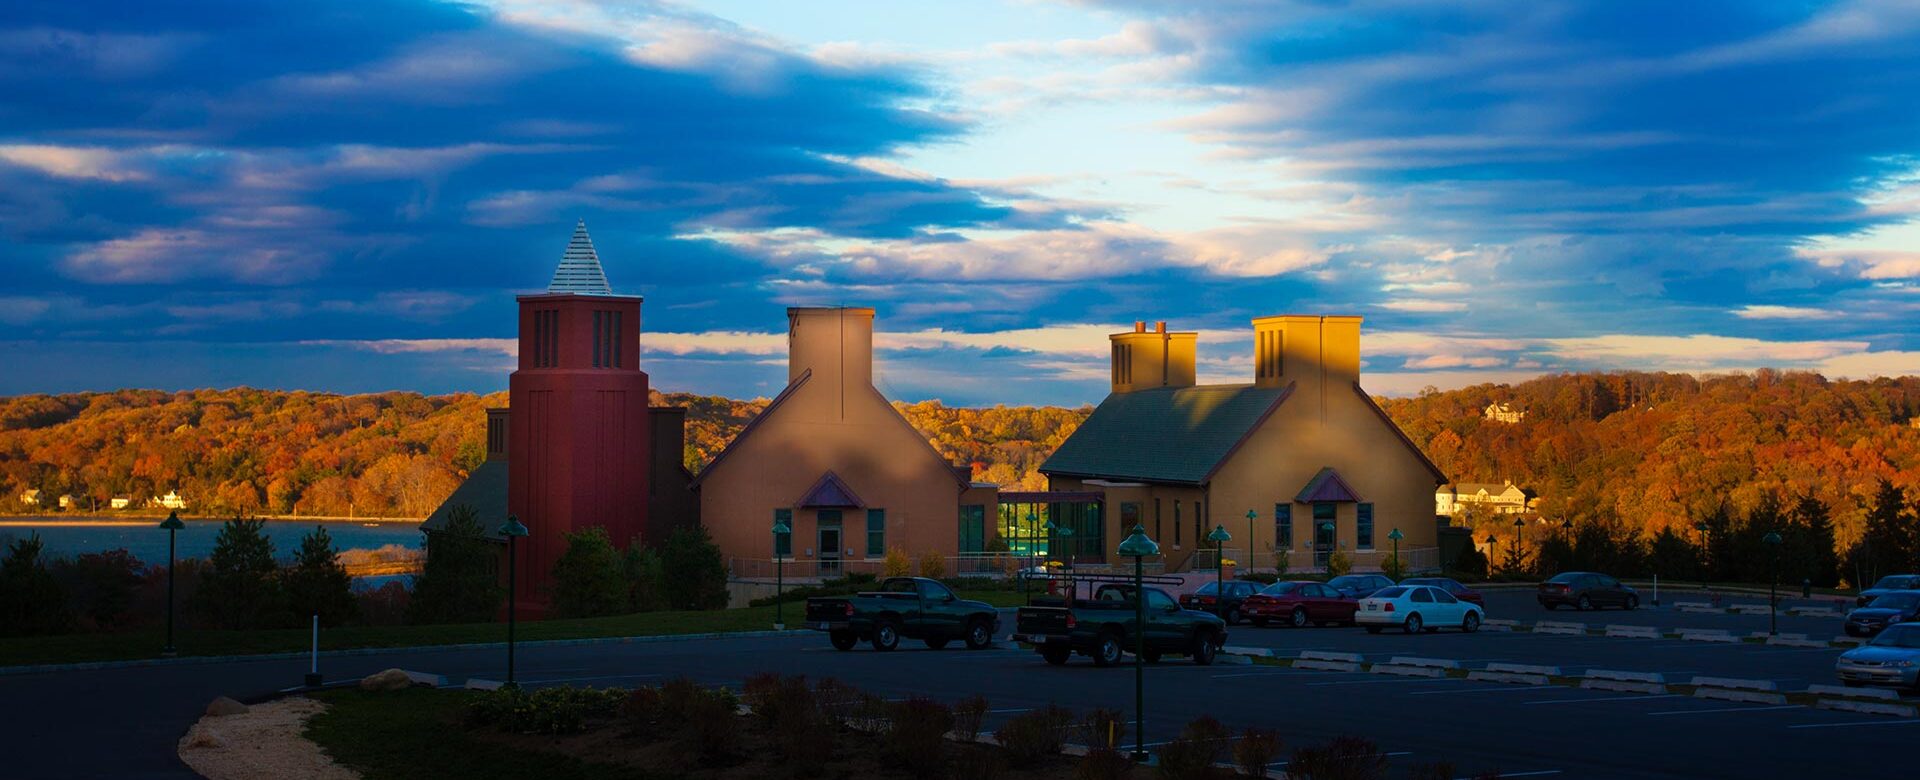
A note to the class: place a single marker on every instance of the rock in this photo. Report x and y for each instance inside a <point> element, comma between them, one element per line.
<point>225,706</point>
<point>389,680</point>
<point>202,738</point>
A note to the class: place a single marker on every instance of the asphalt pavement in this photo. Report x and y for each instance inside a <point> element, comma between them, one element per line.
<point>125,722</point>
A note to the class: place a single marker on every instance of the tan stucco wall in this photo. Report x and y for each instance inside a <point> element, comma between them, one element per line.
<point>1173,528</point>
<point>835,421</point>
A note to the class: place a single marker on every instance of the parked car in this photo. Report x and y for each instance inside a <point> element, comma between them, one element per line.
<point>1103,627</point>
<point>1298,603</point>
<point>1452,586</point>
<point>1586,590</point>
<point>1359,586</point>
<point>1892,658</point>
<point>1892,608</point>
<point>904,607</point>
<point>1208,599</point>
<point>1416,608</point>
<point>1888,584</point>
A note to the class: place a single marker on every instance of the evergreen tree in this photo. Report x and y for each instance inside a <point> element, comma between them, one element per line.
<point>1719,542</point>
<point>1672,556</point>
<point>461,581</point>
<point>645,579</point>
<point>1888,546</point>
<point>317,584</point>
<point>694,575</point>
<point>31,599</point>
<point>590,579</point>
<point>241,586</point>
<point>1818,560</point>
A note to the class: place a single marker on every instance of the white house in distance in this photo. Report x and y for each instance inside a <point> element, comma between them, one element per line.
<point>120,502</point>
<point>1499,411</point>
<point>66,502</point>
<point>30,498</point>
<point>1503,498</point>
<point>171,500</point>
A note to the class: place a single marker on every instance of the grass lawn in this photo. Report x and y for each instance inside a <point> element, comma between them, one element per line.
<point>75,648</point>
<point>401,735</point>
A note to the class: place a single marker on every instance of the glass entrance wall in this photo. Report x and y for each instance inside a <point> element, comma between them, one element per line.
<point>1023,525</point>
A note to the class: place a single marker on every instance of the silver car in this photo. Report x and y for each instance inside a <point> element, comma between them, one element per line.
<point>1892,658</point>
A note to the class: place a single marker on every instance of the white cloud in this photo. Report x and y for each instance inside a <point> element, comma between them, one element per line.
<point>1696,352</point>
<point>173,254</point>
<point>507,347</point>
<point>72,162</point>
<point>1766,312</point>
<point>1424,305</point>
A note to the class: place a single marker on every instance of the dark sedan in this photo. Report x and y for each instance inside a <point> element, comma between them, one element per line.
<point>1209,599</point>
<point>1897,607</point>
<point>1586,590</point>
<point>1452,587</point>
<point>1360,586</point>
<point>1891,583</point>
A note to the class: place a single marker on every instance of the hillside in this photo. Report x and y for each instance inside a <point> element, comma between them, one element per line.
<point>1649,449</point>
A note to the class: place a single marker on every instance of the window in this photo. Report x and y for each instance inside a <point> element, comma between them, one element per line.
<point>1176,523</point>
<point>934,591</point>
<point>1363,527</point>
<point>1158,531</point>
<point>1199,524</point>
<point>783,543</point>
<point>973,528</point>
<point>1159,600</point>
<point>876,533</point>
<point>1422,596</point>
<point>1283,526</point>
<point>606,339</point>
<point>1444,597</point>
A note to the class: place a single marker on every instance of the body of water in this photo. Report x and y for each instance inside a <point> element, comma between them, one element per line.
<point>66,538</point>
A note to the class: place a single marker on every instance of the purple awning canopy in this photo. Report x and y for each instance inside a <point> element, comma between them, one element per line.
<point>829,493</point>
<point>1326,486</point>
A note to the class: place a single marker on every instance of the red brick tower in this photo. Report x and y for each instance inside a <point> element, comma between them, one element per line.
<point>578,453</point>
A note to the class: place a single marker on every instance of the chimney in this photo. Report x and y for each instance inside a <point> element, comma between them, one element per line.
<point>835,343</point>
<point>1143,360</point>
<point>1318,355</point>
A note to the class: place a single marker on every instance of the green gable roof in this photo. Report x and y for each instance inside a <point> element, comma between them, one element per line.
<point>1163,434</point>
<point>486,491</point>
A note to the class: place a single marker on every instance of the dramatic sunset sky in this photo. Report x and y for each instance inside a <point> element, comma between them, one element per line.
<point>346,196</point>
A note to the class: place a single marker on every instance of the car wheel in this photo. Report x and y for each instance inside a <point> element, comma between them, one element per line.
<point>979,635</point>
<point>1056,655</point>
<point>1470,623</point>
<point>1298,618</point>
<point>1413,625</point>
<point>1260,622</point>
<point>844,640</point>
<point>1107,652</point>
<point>1633,603</point>
<point>1584,603</point>
<point>1373,629</point>
<point>886,636</point>
<point>1204,648</point>
<point>936,643</point>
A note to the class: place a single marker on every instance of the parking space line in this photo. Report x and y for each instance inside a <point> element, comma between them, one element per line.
<point>1275,673</point>
<point>1608,698</point>
<point>1851,725</point>
<point>1402,680</point>
<point>1536,773</point>
<point>1731,709</point>
<point>1502,689</point>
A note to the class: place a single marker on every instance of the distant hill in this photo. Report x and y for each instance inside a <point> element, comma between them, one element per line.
<point>1649,449</point>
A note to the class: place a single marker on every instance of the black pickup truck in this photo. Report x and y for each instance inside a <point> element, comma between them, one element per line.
<point>910,607</point>
<point>1104,627</point>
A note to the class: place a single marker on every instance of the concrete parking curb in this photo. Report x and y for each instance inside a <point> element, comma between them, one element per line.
<point>1729,682</point>
<point>1329,661</point>
<point>1794,640</point>
<point>1843,692</point>
<point>360,651</point>
<point>1404,670</point>
<point>1816,612</point>
<point>1708,635</point>
<point>1436,663</point>
<point>1255,652</point>
<point>1866,707</point>
<point>1627,682</point>
<point>1734,694</point>
<point>1554,627</point>
<point>1513,678</point>
<point>1506,668</point>
<point>1634,632</point>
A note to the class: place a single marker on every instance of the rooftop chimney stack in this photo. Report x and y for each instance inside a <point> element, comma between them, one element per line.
<point>833,342</point>
<point>1146,359</point>
<point>1318,355</point>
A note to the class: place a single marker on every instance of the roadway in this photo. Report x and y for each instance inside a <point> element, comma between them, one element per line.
<point>125,722</point>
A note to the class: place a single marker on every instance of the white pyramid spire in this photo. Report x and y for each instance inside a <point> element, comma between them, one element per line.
<point>579,270</point>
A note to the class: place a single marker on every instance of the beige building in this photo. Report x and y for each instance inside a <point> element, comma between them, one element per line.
<point>1504,498</point>
<point>833,459</point>
<point>1302,447</point>
<point>1501,412</point>
<point>30,498</point>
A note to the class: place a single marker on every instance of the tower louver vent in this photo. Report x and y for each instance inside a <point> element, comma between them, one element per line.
<point>579,272</point>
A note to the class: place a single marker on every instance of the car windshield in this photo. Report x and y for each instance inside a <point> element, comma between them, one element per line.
<point>1894,582</point>
<point>1390,593</point>
<point>1895,601</point>
<point>1281,588</point>
<point>1208,589</point>
<point>1566,577</point>
<point>1419,581</point>
<point>1347,579</point>
<point>1899,636</point>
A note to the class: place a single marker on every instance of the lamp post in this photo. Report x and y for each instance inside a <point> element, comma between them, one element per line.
<point>1137,546</point>
<point>1251,516</point>
<point>1706,557</point>
<point>1519,539</point>
<point>1030,534</point>
<point>1395,536</point>
<point>1331,543</point>
<point>780,531</point>
<point>1773,589</point>
<point>172,525</point>
<point>1493,552</point>
<point>1219,538</point>
<point>513,530</point>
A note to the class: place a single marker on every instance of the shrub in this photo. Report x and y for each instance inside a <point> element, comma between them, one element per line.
<point>1262,577</point>
<point>589,579</point>
<point>896,564</point>
<point>932,566</point>
<point>385,605</point>
<point>919,734</point>
<point>836,700</point>
<point>1187,759</point>
<point>707,724</point>
<point>977,763</point>
<point>806,741</point>
<point>317,584</point>
<point>872,714</point>
<point>694,577</point>
<point>1103,763</point>
<point>1343,758</point>
<point>1256,750</point>
<point>644,709</point>
<point>1033,736</point>
<point>1394,568</point>
<point>968,716</point>
<point>460,582</point>
<point>31,599</point>
<point>560,710</point>
<point>99,587</point>
<point>1102,728</point>
<point>241,588</point>
<point>1470,564</point>
<point>645,580</point>
<point>1339,563</point>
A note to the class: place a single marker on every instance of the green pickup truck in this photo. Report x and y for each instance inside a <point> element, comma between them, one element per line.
<point>1104,627</point>
<point>909,607</point>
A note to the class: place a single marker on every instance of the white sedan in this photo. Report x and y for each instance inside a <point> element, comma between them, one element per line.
<point>1415,608</point>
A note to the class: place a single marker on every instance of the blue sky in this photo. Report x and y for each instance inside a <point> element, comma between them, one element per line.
<point>346,196</point>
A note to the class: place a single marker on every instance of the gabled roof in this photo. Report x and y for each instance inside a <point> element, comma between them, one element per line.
<point>486,491</point>
<point>580,272</point>
<point>1179,435</point>
<point>829,493</point>
<point>1326,486</point>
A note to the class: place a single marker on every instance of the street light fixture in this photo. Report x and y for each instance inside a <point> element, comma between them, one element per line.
<point>1773,589</point>
<point>1219,538</point>
<point>171,525</point>
<point>1493,552</point>
<point>513,530</point>
<point>1251,516</point>
<point>1395,536</point>
<point>1519,539</point>
<point>1030,533</point>
<point>780,531</point>
<point>1706,557</point>
<point>1137,546</point>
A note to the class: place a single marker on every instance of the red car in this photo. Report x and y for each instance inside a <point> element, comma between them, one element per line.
<point>1298,604</point>
<point>1451,586</point>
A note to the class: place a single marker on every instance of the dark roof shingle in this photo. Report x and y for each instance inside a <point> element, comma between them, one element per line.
<point>1164,434</point>
<point>486,491</point>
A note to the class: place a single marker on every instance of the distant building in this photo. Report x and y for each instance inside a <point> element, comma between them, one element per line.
<point>120,502</point>
<point>171,500</point>
<point>1503,498</point>
<point>1913,422</point>
<point>66,502</point>
<point>30,498</point>
<point>1501,412</point>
